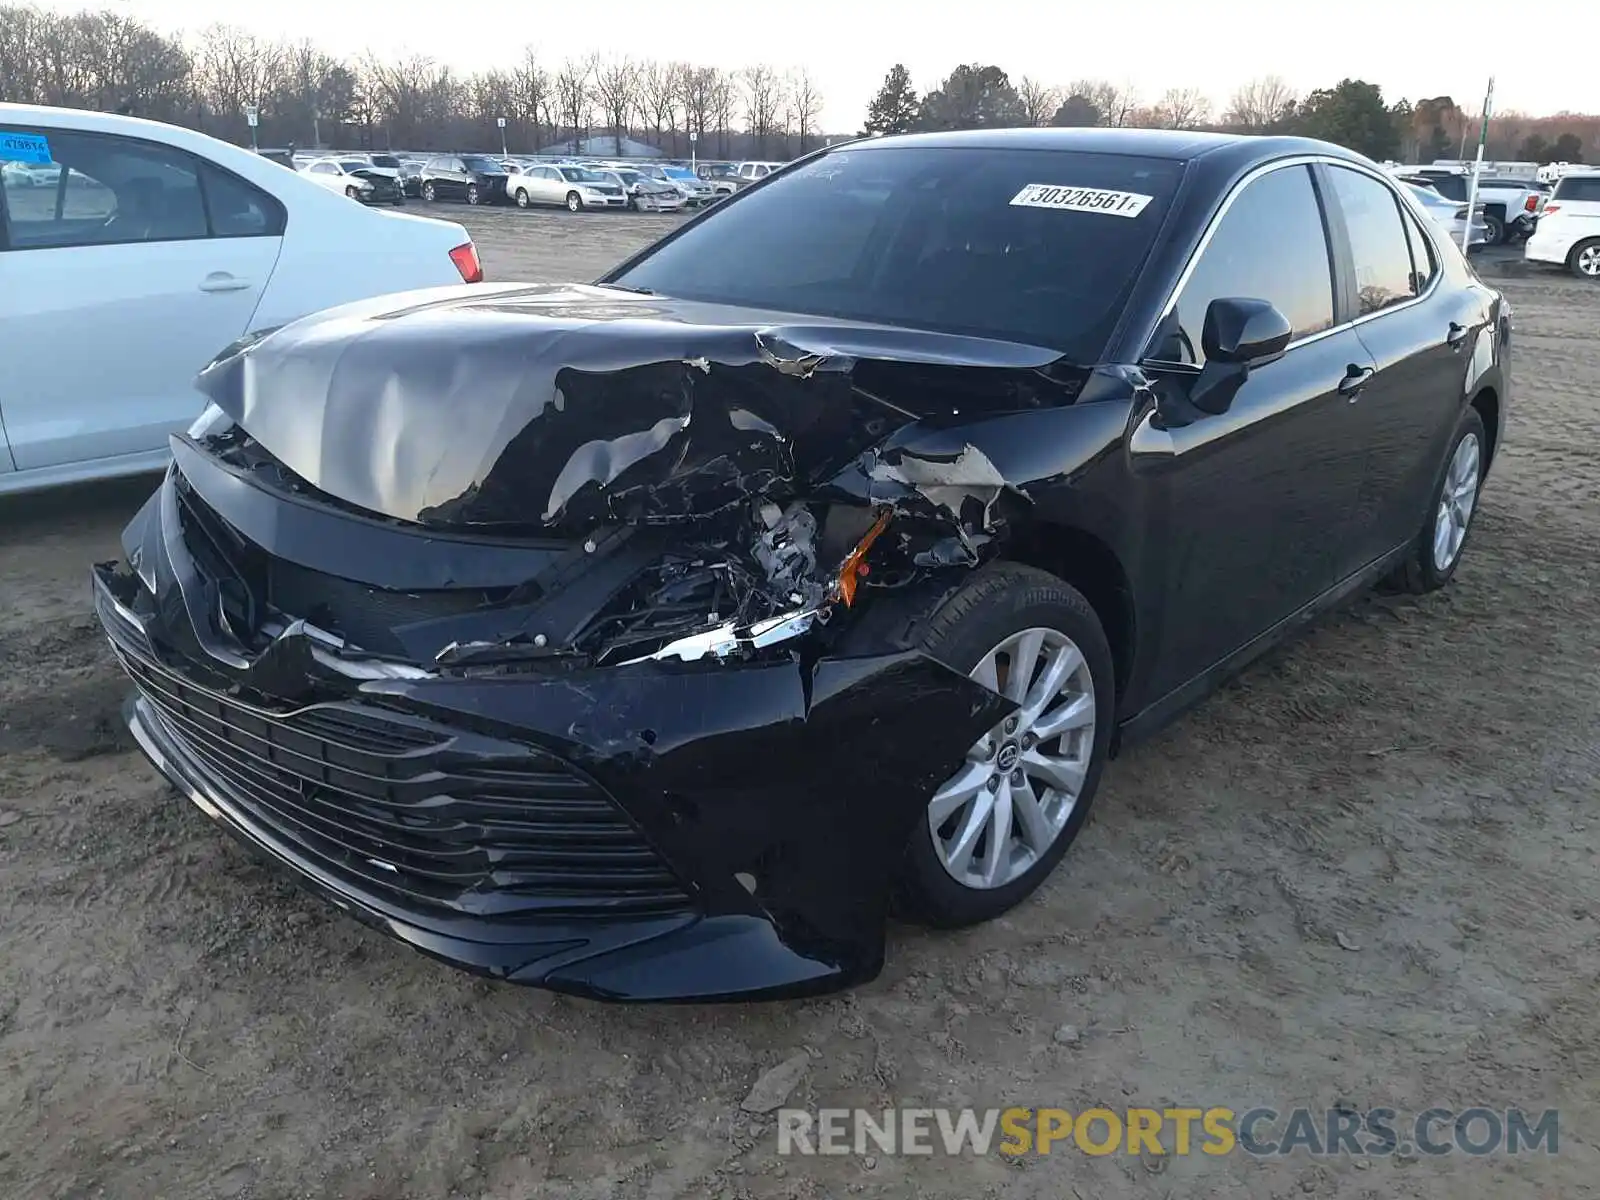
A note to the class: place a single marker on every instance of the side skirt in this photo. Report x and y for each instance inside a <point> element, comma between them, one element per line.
<point>1181,699</point>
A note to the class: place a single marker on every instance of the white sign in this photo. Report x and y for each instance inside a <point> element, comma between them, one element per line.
<point>1081,199</point>
<point>500,121</point>
<point>251,112</point>
<point>693,136</point>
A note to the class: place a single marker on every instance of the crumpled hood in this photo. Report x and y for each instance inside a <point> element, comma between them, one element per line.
<point>565,407</point>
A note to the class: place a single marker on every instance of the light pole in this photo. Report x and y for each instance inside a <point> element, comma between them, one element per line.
<point>693,138</point>
<point>316,129</point>
<point>501,121</point>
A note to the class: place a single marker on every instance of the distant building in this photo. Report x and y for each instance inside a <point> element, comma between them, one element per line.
<point>603,146</point>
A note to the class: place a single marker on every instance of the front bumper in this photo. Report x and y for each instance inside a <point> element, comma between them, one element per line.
<point>651,832</point>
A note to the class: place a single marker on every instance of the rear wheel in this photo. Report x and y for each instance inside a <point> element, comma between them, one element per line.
<point>472,193</point>
<point>997,827</point>
<point>522,197</point>
<point>1437,551</point>
<point>1497,228</point>
<point>1584,260</point>
<point>353,192</point>
<point>574,202</point>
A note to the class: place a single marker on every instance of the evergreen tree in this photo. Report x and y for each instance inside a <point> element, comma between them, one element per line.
<point>894,109</point>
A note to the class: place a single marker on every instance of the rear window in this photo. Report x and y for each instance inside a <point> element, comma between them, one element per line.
<point>1578,188</point>
<point>1026,245</point>
<point>485,165</point>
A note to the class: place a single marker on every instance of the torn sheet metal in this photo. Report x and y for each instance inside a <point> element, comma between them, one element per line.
<point>565,407</point>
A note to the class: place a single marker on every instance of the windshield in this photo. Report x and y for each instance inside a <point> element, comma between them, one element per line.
<point>352,166</point>
<point>681,173</point>
<point>484,166</point>
<point>579,175</point>
<point>1011,244</point>
<point>629,177</point>
<point>386,160</point>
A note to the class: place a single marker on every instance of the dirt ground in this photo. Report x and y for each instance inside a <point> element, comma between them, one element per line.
<point>1363,874</point>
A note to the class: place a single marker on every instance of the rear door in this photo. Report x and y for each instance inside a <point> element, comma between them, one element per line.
<point>118,283</point>
<point>1258,498</point>
<point>1421,336</point>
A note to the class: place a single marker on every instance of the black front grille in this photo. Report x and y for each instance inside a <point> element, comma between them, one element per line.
<point>414,810</point>
<point>364,616</point>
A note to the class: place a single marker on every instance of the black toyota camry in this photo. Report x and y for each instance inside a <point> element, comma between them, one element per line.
<point>642,639</point>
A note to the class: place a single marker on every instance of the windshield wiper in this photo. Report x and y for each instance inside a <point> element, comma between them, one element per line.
<point>624,287</point>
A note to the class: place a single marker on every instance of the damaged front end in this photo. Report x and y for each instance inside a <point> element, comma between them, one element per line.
<point>526,627</point>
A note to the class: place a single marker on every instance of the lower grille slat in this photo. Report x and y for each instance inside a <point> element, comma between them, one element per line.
<point>400,804</point>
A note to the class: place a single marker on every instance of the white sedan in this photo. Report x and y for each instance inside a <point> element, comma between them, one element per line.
<point>1451,216</point>
<point>159,247</point>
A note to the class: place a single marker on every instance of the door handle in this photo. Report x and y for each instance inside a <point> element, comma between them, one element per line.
<point>1456,336</point>
<point>221,281</point>
<point>1355,378</point>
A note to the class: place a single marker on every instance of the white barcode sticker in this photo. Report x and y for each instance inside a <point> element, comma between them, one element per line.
<point>1081,199</point>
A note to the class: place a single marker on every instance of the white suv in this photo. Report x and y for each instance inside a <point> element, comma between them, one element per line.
<point>124,275</point>
<point>1569,226</point>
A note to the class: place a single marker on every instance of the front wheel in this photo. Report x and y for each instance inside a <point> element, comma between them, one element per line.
<point>522,197</point>
<point>574,202</point>
<point>1437,551</point>
<point>1584,260</point>
<point>997,827</point>
<point>428,193</point>
<point>472,193</point>
<point>353,192</point>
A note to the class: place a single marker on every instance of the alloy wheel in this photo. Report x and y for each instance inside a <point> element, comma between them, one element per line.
<point>522,198</point>
<point>1456,502</point>
<point>1008,803</point>
<point>472,193</point>
<point>1589,261</point>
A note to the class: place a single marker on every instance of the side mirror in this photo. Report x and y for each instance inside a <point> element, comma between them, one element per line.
<point>1245,331</point>
<point>1239,333</point>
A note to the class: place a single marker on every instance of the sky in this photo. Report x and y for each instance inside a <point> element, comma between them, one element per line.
<point>1411,48</point>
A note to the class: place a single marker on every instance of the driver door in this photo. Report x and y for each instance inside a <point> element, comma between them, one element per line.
<point>117,285</point>
<point>1257,502</point>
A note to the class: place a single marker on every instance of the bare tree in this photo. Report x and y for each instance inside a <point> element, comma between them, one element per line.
<point>1115,104</point>
<point>1039,101</point>
<point>617,87</point>
<point>763,94</point>
<point>661,88</point>
<point>1182,108</point>
<point>234,68</point>
<point>723,98</point>
<point>531,95</point>
<point>1260,104</point>
<point>806,98</point>
<point>572,94</point>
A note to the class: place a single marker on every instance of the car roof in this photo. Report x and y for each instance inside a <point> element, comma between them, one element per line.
<point>1179,144</point>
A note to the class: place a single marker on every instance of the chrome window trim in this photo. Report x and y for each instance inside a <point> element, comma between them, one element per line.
<point>1298,160</point>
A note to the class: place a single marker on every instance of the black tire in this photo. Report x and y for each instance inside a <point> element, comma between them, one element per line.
<point>1420,573</point>
<point>574,202</point>
<point>472,193</point>
<point>428,193</point>
<point>1584,255</point>
<point>1497,229</point>
<point>989,606</point>
<point>522,197</point>
<point>353,192</point>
